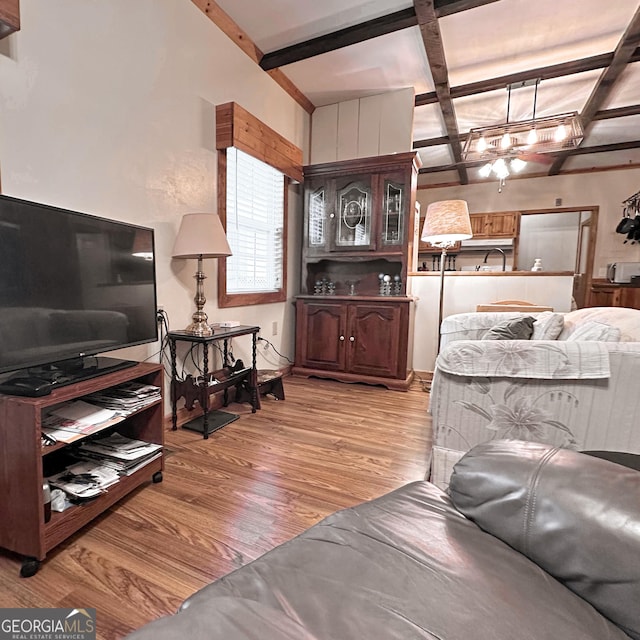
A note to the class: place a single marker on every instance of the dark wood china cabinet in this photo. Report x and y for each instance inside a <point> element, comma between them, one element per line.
<point>353,316</point>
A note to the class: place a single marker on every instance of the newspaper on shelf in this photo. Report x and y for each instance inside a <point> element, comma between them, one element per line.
<point>85,479</point>
<point>74,420</point>
<point>126,397</point>
<point>118,452</point>
<point>80,414</point>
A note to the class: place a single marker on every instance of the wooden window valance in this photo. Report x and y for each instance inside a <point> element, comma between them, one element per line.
<point>236,127</point>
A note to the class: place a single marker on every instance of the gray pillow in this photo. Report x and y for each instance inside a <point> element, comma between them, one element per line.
<point>514,329</point>
<point>576,516</point>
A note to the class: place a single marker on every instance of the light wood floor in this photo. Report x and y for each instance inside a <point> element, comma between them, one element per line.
<point>254,484</point>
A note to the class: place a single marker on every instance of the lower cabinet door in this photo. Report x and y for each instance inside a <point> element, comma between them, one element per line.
<point>377,339</point>
<point>320,335</point>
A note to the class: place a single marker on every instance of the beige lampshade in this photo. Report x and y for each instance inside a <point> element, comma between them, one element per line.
<point>201,235</point>
<point>447,221</point>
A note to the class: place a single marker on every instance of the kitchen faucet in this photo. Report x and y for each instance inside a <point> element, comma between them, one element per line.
<point>504,257</point>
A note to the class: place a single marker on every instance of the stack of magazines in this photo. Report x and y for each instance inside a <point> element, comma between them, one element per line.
<point>84,480</point>
<point>121,454</point>
<point>127,397</point>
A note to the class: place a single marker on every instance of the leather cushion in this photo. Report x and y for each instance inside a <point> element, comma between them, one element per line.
<point>574,515</point>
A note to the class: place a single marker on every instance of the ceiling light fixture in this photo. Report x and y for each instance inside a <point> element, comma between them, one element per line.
<point>506,147</point>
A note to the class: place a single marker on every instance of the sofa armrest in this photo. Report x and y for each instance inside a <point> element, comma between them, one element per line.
<point>538,359</point>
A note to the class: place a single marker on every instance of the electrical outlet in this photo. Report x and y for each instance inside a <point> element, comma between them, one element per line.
<point>274,328</point>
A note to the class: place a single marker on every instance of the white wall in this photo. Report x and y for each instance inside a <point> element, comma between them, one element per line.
<point>109,108</point>
<point>605,189</point>
<point>371,126</point>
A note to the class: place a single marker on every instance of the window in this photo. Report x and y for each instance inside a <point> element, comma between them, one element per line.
<point>255,165</point>
<point>255,225</point>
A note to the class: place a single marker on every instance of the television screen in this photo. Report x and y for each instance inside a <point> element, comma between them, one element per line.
<point>71,285</point>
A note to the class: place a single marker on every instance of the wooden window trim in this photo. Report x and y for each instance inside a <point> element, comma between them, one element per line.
<point>236,127</point>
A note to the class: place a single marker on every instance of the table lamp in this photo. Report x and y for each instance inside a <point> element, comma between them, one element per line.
<point>446,223</point>
<point>201,235</point>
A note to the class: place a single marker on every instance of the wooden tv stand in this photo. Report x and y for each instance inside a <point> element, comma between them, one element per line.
<point>22,455</point>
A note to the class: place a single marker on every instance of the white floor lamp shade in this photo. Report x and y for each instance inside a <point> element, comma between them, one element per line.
<point>445,223</point>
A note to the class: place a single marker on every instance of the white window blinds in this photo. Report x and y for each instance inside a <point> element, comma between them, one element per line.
<point>255,218</point>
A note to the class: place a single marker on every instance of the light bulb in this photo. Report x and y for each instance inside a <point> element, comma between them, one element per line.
<point>505,141</point>
<point>560,133</point>
<point>485,170</point>
<point>482,145</point>
<point>532,138</point>
<point>500,169</point>
<point>517,165</point>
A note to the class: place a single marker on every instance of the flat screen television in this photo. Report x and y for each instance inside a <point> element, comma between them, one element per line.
<point>72,286</point>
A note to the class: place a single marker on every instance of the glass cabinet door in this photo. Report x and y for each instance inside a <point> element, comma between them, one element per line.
<point>353,227</point>
<point>317,218</point>
<point>393,213</point>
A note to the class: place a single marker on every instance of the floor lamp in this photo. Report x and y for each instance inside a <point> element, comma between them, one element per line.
<point>446,223</point>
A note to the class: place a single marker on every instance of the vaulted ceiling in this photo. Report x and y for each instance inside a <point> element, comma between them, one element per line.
<point>459,56</point>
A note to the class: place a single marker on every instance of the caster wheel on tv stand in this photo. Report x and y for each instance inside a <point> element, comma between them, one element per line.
<point>29,567</point>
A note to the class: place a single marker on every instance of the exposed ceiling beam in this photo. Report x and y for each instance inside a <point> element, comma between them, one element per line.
<point>606,114</point>
<point>431,142</point>
<point>544,73</point>
<point>604,148</point>
<point>449,7</point>
<point>339,39</point>
<point>579,151</point>
<point>607,80</point>
<point>618,112</point>
<point>361,32</point>
<point>224,22</point>
<point>433,46</point>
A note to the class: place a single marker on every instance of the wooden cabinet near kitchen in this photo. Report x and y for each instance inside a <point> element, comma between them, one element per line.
<point>609,294</point>
<point>495,225</point>
<point>352,317</point>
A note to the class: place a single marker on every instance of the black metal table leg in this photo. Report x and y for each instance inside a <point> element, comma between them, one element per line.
<point>255,396</point>
<point>173,390</point>
<point>225,363</point>
<point>204,396</point>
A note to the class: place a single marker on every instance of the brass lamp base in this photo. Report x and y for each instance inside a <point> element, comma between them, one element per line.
<point>199,325</point>
<point>200,329</point>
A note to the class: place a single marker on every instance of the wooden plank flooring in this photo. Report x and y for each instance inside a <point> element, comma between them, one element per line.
<point>224,501</point>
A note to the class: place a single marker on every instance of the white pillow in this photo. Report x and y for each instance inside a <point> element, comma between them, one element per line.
<point>595,331</point>
<point>548,326</point>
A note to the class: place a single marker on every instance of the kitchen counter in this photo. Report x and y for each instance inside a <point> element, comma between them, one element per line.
<point>534,274</point>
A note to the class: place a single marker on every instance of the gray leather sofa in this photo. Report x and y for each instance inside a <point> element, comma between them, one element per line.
<point>532,542</point>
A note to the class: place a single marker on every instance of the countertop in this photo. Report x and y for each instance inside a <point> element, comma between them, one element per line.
<point>500,274</point>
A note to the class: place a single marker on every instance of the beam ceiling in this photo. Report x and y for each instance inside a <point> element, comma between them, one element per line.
<point>361,32</point>
<point>621,57</point>
<point>432,40</point>
<point>543,73</point>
